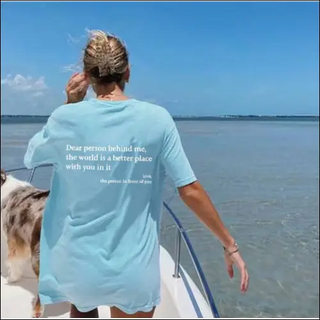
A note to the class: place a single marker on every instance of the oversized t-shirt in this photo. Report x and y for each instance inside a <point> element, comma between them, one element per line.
<point>100,232</point>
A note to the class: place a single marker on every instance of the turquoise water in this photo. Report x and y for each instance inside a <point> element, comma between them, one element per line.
<point>263,178</point>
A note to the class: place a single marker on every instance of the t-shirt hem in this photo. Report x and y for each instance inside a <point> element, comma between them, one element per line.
<point>146,308</point>
<point>186,181</point>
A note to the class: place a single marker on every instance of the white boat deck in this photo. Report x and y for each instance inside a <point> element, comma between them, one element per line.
<point>180,297</point>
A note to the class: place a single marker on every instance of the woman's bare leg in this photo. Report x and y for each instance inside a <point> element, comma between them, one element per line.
<point>75,313</point>
<point>117,313</point>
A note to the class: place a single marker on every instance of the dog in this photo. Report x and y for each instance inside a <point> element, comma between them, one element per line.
<point>22,207</point>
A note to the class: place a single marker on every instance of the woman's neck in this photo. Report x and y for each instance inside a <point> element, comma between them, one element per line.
<point>110,92</point>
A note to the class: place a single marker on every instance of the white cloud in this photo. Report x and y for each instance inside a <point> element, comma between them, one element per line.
<point>38,94</point>
<point>27,95</point>
<point>21,83</point>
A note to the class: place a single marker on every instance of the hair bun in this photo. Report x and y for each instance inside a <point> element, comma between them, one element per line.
<point>105,55</point>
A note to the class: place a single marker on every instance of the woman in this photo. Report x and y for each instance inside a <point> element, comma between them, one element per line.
<point>100,233</point>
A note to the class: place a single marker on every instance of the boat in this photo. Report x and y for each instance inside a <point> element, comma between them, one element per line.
<point>181,298</point>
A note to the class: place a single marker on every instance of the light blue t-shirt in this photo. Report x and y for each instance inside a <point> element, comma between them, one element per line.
<point>100,232</point>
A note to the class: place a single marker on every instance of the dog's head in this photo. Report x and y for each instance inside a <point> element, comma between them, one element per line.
<point>3,177</point>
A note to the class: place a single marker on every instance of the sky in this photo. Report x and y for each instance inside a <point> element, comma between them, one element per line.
<point>192,58</point>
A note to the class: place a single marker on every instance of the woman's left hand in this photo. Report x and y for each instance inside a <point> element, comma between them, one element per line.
<point>235,258</point>
<point>77,87</point>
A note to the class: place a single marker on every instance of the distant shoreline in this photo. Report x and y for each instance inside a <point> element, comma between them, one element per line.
<point>40,119</point>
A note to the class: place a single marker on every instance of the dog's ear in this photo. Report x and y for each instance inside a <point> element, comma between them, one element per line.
<point>3,176</point>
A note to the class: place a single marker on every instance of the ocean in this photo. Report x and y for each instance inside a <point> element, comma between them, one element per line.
<point>263,177</point>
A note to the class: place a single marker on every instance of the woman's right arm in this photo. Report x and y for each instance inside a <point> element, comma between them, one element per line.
<point>194,196</point>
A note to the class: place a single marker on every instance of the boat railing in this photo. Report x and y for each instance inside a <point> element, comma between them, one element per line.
<point>181,235</point>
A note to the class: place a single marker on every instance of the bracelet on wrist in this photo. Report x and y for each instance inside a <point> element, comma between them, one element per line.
<point>229,253</point>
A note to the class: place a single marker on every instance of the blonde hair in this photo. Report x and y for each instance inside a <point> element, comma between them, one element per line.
<point>105,58</point>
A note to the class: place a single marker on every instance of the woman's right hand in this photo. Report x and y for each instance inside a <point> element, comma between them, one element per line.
<point>77,87</point>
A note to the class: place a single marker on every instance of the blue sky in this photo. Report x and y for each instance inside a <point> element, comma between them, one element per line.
<point>191,58</point>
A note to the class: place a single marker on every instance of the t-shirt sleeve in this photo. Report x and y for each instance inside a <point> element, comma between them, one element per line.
<point>174,159</point>
<point>42,146</point>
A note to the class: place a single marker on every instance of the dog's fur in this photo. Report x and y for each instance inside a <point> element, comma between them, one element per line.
<point>22,207</point>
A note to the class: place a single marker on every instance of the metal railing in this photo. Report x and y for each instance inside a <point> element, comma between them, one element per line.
<point>181,235</point>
